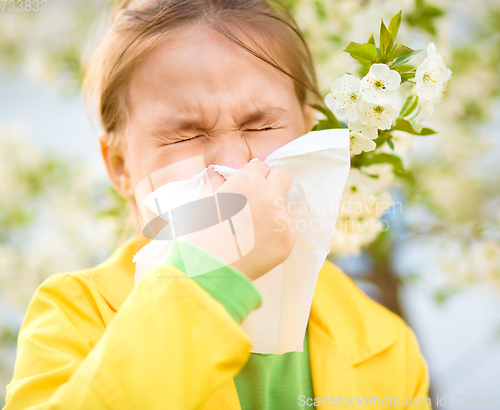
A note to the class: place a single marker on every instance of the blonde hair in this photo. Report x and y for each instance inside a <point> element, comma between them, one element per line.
<point>137,27</point>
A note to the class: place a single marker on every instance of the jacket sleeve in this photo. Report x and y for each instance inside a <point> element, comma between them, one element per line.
<point>227,285</point>
<point>170,345</point>
<point>417,374</point>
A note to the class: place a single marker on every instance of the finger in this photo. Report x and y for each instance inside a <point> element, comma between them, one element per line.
<point>213,181</point>
<point>259,168</point>
<point>281,179</point>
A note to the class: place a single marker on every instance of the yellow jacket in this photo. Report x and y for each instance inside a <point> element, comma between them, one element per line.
<point>91,340</point>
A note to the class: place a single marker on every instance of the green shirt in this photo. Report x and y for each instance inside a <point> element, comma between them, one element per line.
<point>267,381</point>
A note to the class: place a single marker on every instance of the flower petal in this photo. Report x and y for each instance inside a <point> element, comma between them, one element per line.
<point>431,50</point>
<point>369,96</point>
<point>393,80</point>
<point>352,82</point>
<point>386,98</point>
<point>336,84</point>
<point>379,70</point>
<point>329,100</point>
<point>360,143</point>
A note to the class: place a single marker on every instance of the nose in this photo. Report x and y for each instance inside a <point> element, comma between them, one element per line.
<point>229,149</point>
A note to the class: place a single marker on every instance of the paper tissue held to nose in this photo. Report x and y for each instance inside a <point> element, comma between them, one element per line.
<point>319,163</point>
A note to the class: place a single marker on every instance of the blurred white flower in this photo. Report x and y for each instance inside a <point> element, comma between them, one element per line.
<point>378,86</point>
<point>476,261</point>
<point>351,235</point>
<point>366,197</point>
<point>374,115</point>
<point>360,143</point>
<point>431,78</point>
<point>486,259</point>
<point>385,178</point>
<point>359,215</point>
<point>367,131</point>
<point>403,143</point>
<point>357,182</point>
<point>344,98</point>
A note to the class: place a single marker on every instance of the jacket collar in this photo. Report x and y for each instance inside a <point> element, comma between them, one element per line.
<point>351,321</point>
<point>114,278</point>
<point>344,325</point>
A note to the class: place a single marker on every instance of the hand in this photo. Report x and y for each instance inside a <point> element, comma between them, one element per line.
<point>264,189</point>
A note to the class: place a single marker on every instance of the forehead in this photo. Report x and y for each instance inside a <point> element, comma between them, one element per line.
<point>202,70</point>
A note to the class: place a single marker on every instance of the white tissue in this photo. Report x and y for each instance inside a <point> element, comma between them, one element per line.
<point>319,163</point>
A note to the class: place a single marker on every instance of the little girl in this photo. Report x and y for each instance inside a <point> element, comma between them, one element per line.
<point>227,80</point>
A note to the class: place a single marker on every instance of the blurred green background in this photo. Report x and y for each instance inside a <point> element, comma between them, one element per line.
<point>438,265</point>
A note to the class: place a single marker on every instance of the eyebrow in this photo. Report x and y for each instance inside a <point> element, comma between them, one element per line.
<point>182,123</point>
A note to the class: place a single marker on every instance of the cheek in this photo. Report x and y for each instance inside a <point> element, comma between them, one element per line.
<point>165,163</point>
<point>263,143</point>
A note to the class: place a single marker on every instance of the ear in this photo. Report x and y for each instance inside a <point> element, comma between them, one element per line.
<point>308,117</point>
<point>114,159</point>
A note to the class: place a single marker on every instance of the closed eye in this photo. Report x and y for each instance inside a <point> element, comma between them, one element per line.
<point>259,129</point>
<point>184,139</point>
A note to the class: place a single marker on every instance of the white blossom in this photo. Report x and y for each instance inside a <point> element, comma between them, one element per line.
<point>385,177</point>
<point>348,240</point>
<point>431,78</point>
<point>344,98</point>
<point>362,205</point>
<point>367,131</point>
<point>375,115</point>
<point>360,143</point>
<point>378,86</point>
<point>486,256</point>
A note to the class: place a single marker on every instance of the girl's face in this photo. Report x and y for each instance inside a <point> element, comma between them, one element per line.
<point>203,96</point>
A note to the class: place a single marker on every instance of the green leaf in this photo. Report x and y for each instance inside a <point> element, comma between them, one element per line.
<point>391,144</point>
<point>394,25</point>
<point>418,111</point>
<point>386,41</point>
<point>334,122</point>
<point>408,110</point>
<point>406,105</point>
<point>440,296</point>
<point>406,126</point>
<point>365,63</point>
<point>384,157</point>
<point>432,11</point>
<point>371,40</point>
<point>407,76</point>
<point>399,50</point>
<point>406,57</point>
<point>366,51</point>
<point>417,125</point>
<point>350,46</point>
<point>403,175</point>
<point>322,125</point>
<point>424,17</point>
<point>403,68</point>
<point>380,140</point>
